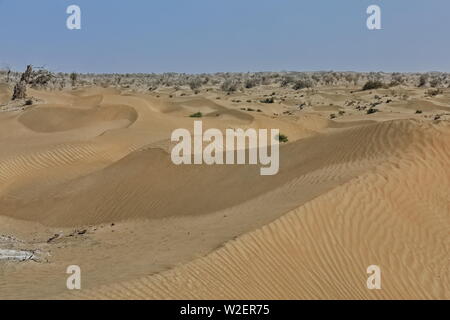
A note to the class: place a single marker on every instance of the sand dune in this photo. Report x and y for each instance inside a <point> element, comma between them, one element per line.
<point>307,255</point>
<point>351,192</point>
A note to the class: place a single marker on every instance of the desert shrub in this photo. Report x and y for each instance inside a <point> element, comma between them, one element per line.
<point>195,83</point>
<point>423,80</point>
<point>394,83</point>
<point>435,83</point>
<point>397,79</point>
<point>372,84</point>
<point>418,111</point>
<point>302,84</point>
<point>372,110</point>
<point>40,78</point>
<point>433,92</point>
<point>196,115</point>
<point>28,102</point>
<point>286,80</point>
<point>229,86</point>
<point>250,83</point>
<point>282,138</point>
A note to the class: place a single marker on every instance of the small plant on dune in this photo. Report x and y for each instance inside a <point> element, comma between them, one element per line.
<point>372,84</point>
<point>418,111</point>
<point>196,115</point>
<point>282,138</point>
<point>268,100</point>
<point>372,110</point>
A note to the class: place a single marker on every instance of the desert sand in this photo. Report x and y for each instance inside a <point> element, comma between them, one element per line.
<point>86,179</point>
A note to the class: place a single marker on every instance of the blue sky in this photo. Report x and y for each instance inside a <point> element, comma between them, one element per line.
<point>196,36</point>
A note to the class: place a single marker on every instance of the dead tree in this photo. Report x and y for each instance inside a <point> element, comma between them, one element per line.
<point>73,78</point>
<point>20,89</point>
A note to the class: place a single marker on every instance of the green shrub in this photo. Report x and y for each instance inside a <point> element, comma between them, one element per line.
<point>196,115</point>
<point>282,138</point>
<point>373,84</point>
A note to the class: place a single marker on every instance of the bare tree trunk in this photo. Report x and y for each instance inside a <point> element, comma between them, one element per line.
<point>27,74</point>
<point>20,89</point>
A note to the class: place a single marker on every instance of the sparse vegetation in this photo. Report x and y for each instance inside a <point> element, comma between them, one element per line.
<point>226,82</point>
